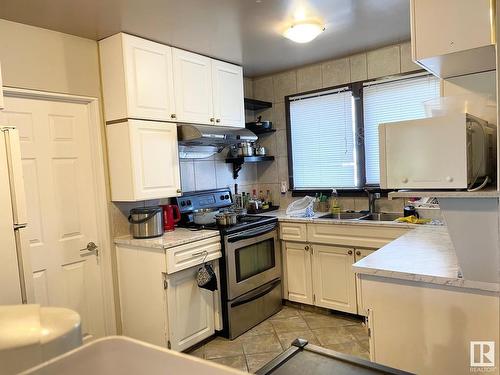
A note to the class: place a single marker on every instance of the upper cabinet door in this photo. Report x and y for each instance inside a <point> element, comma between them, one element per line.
<point>228,100</point>
<point>137,78</point>
<point>193,87</point>
<point>149,79</point>
<point>453,37</point>
<point>155,159</point>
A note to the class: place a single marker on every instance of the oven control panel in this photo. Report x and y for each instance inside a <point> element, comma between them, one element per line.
<point>212,199</point>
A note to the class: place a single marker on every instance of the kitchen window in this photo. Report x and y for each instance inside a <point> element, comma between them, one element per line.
<point>322,140</point>
<point>333,134</point>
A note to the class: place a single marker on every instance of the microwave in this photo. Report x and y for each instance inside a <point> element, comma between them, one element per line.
<point>447,152</point>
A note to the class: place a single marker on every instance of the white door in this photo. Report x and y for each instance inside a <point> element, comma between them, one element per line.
<point>193,87</point>
<point>229,107</point>
<point>298,271</point>
<point>334,282</point>
<point>61,205</point>
<point>190,310</point>
<point>150,85</point>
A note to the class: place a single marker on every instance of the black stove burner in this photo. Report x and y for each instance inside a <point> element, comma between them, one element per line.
<point>244,222</point>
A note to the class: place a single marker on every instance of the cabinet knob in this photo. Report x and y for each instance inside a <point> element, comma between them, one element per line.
<point>349,252</point>
<point>449,179</point>
<point>306,248</point>
<point>218,120</point>
<point>173,115</point>
<point>358,252</point>
<point>179,191</point>
<point>212,119</point>
<point>404,180</point>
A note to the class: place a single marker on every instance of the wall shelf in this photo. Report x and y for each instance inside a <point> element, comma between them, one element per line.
<point>256,105</point>
<point>239,161</point>
<point>261,131</point>
<point>489,192</point>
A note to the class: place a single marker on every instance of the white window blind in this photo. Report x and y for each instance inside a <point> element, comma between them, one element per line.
<point>322,135</point>
<point>396,100</point>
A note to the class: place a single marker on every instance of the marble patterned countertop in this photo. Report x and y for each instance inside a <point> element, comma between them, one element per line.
<point>424,254</point>
<point>179,236</point>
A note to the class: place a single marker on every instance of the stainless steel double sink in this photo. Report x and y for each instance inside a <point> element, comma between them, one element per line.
<point>375,216</point>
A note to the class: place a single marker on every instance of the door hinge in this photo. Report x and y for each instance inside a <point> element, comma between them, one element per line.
<point>169,345</point>
<point>369,332</point>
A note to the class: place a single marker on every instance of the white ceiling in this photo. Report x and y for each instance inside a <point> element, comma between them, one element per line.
<point>246,32</point>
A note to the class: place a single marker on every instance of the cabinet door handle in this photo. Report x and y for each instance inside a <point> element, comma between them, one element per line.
<point>306,248</point>
<point>212,119</point>
<point>173,115</point>
<point>349,252</point>
<point>218,120</point>
<point>358,252</point>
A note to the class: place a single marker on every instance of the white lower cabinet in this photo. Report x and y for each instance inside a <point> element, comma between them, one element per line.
<point>166,309</point>
<point>298,267</point>
<point>190,310</point>
<point>334,281</point>
<point>360,254</point>
<point>318,261</point>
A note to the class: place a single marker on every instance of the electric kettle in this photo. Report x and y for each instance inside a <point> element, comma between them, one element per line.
<point>171,216</point>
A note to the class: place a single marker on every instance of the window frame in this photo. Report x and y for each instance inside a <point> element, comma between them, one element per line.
<point>356,89</point>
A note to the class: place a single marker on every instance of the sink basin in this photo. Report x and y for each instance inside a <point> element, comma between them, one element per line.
<point>344,216</point>
<point>381,216</point>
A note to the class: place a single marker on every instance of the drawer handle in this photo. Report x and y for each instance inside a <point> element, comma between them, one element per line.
<point>204,253</point>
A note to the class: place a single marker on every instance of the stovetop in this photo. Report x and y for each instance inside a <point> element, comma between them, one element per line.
<point>244,222</point>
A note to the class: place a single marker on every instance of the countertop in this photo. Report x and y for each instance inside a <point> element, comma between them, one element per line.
<point>316,219</point>
<point>179,236</point>
<point>424,254</point>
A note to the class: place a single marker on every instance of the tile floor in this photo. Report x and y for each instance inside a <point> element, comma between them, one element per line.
<point>253,349</point>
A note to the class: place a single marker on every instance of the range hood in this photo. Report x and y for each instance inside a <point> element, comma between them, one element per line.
<point>214,136</point>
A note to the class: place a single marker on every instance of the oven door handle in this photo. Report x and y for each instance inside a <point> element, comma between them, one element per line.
<point>251,234</point>
<point>256,294</point>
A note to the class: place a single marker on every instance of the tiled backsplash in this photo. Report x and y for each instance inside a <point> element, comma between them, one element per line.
<point>214,172</point>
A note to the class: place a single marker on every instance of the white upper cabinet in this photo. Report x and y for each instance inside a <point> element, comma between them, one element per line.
<point>453,37</point>
<point>150,81</point>
<point>193,87</point>
<point>137,78</point>
<point>228,98</point>
<point>143,160</point>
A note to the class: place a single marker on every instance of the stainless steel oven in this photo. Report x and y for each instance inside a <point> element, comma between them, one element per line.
<point>253,269</point>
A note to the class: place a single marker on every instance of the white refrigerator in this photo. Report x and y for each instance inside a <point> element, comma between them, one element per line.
<point>15,270</point>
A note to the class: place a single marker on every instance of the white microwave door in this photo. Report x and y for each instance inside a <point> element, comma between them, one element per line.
<point>427,154</point>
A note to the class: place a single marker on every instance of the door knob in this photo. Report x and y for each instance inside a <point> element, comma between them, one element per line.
<point>91,246</point>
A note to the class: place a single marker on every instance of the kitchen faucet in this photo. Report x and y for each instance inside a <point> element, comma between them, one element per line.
<point>372,198</point>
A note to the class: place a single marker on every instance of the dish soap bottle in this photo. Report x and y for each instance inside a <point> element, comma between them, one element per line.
<point>334,204</point>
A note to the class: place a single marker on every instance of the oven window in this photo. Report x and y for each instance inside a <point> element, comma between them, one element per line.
<point>254,259</point>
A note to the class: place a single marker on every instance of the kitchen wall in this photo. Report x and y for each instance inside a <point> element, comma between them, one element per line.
<point>393,59</point>
<point>41,59</point>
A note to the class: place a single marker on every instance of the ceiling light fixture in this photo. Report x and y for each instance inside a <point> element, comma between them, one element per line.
<point>303,32</point>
